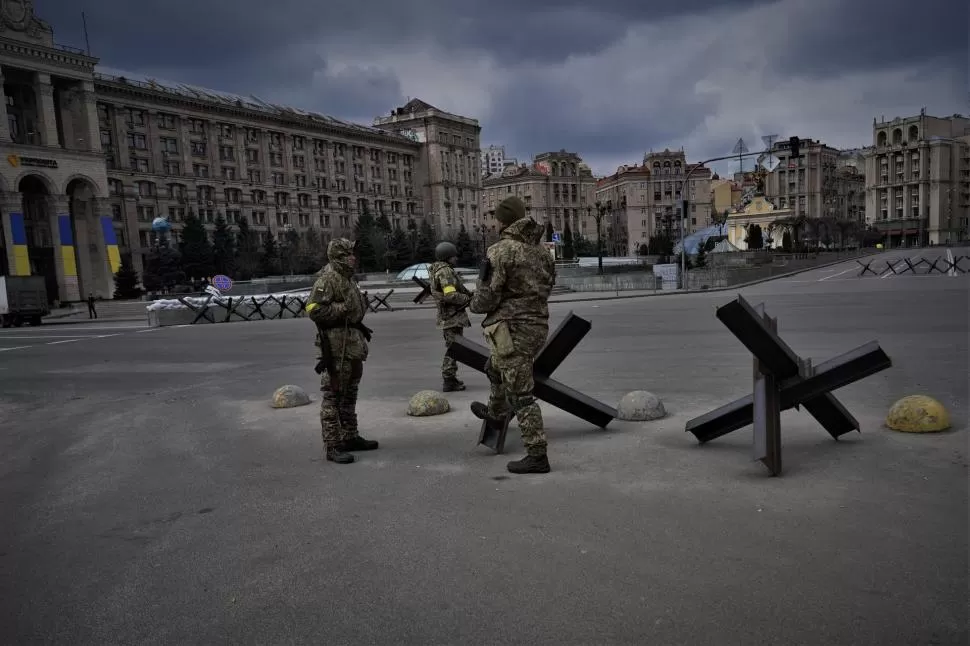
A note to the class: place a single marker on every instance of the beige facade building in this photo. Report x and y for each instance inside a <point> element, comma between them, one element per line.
<point>725,195</point>
<point>805,185</point>
<point>918,179</point>
<point>450,163</point>
<point>672,181</point>
<point>53,183</point>
<point>629,222</point>
<point>175,151</point>
<point>557,187</point>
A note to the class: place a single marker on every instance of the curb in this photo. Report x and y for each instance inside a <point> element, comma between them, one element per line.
<point>126,319</point>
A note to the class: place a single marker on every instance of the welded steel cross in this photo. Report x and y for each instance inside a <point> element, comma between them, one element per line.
<point>560,343</point>
<point>783,380</point>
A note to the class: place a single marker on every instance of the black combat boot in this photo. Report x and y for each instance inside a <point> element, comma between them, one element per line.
<point>480,411</point>
<point>357,443</point>
<point>452,385</point>
<point>338,455</point>
<point>530,464</point>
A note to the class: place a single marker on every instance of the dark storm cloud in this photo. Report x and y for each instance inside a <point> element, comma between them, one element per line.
<point>831,37</point>
<point>278,51</point>
<point>539,114</point>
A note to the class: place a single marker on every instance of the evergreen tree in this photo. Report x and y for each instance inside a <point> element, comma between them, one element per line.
<point>162,269</point>
<point>709,244</point>
<point>412,240</point>
<point>364,229</point>
<point>786,241</point>
<point>568,247</point>
<point>399,249</point>
<point>223,252</point>
<point>313,253</point>
<point>755,238</point>
<point>584,247</point>
<point>246,251</point>
<point>549,231</point>
<point>195,248</point>
<point>269,259</point>
<point>466,251</point>
<point>126,280</point>
<point>288,251</point>
<point>424,249</point>
<point>701,259</point>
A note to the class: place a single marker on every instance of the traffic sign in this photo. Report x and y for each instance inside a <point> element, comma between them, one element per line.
<point>556,237</point>
<point>222,283</point>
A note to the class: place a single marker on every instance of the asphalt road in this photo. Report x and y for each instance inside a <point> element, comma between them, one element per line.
<point>151,496</point>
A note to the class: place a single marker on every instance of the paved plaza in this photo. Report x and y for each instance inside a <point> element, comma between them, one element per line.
<point>152,496</point>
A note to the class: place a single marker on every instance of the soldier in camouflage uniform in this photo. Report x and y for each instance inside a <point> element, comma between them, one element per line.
<point>337,307</point>
<point>513,293</point>
<point>452,298</point>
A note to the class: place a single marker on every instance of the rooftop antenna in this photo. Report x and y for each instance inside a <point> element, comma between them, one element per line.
<point>87,42</point>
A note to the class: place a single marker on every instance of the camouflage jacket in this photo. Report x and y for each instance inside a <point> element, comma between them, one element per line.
<point>450,293</point>
<point>335,301</point>
<point>523,274</point>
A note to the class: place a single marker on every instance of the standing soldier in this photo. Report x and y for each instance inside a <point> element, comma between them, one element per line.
<point>452,298</point>
<point>337,308</point>
<point>513,292</point>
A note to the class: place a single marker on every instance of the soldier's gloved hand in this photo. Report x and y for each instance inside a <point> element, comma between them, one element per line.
<point>320,367</point>
<point>366,331</point>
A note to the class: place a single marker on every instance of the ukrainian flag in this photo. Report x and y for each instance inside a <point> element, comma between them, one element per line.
<point>68,258</point>
<point>111,244</point>
<point>21,259</point>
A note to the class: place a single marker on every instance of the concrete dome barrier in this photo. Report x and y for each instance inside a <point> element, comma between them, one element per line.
<point>918,414</point>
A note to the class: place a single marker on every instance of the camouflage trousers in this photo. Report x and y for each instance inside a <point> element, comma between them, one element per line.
<point>338,410</point>
<point>449,367</point>
<point>514,346</point>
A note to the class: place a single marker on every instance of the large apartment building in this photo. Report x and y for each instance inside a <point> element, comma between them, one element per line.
<point>807,184</point>
<point>91,160</point>
<point>494,161</point>
<point>649,199</point>
<point>918,179</point>
<point>450,163</point>
<point>628,221</point>
<point>557,187</point>
<point>171,151</point>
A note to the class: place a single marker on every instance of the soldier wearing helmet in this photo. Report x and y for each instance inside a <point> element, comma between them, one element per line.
<point>337,307</point>
<point>513,293</point>
<point>452,298</point>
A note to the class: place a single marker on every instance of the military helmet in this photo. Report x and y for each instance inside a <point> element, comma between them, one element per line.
<point>445,250</point>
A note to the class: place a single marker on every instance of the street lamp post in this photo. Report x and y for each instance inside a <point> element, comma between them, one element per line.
<point>601,211</point>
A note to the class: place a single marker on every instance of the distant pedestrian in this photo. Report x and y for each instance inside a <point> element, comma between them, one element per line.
<point>92,312</point>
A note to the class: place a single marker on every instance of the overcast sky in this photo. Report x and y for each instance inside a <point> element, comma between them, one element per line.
<point>608,80</point>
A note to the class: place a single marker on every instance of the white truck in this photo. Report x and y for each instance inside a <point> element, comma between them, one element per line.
<point>23,299</point>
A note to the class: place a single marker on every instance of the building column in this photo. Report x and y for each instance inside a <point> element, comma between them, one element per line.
<point>46,116</point>
<point>89,115</point>
<point>15,234</point>
<point>109,254</point>
<point>62,235</point>
<point>4,126</point>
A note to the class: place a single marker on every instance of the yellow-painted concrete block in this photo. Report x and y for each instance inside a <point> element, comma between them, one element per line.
<point>918,414</point>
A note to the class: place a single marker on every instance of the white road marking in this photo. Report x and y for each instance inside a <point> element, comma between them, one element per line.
<point>47,336</point>
<point>838,274</point>
<point>151,329</point>
<point>949,258</point>
<point>16,347</point>
<point>68,341</point>
<point>105,327</point>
